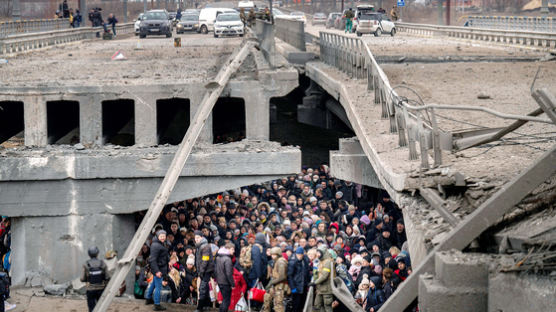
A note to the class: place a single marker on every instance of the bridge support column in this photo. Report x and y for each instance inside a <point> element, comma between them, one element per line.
<point>90,120</point>
<point>34,110</point>
<point>145,121</point>
<point>257,116</point>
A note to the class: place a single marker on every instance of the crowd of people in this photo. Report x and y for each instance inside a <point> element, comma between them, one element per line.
<point>5,257</point>
<point>278,239</point>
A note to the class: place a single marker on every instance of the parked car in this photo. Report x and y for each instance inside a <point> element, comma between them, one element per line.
<point>156,22</point>
<point>376,24</point>
<point>228,24</point>
<point>319,18</point>
<point>137,24</point>
<point>331,20</point>
<point>299,16</point>
<point>359,10</point>
<point>207,18</point>
<point>188,22</point>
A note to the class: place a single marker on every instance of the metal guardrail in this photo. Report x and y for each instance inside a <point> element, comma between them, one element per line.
<point>291,32</point>
<point>353,57</point>
<point>32,41</point>
<point>531,23</point>
<point>31,26</point>
<point>413,123</point>
<point>541,40</point>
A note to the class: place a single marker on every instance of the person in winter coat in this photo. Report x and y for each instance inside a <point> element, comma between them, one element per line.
<point>189,284</point>
<point>260,262</point>
<point>324,296</point>
<point>175,283</point>
<point>401,272</point>
<point>277,287</point>
<point>224,272</point>
<point>204,262</point>
<point>388,286</point>
<point>375,296</point>
<point>112,22</point>
<point>158,261</point>
<point>239,290</point>
<point>299,276</point>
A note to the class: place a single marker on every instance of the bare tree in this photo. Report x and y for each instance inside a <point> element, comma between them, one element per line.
<point>6,8</point>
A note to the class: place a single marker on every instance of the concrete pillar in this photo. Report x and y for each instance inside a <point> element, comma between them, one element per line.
<point>206,135</point>
<point>257,114</point>
<point>34,112</point>
<point>68,238</point>
<point>145,121</point>
<point>90,120</point>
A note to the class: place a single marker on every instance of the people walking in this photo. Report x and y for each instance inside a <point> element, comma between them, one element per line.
<point>112,22</point>
<point>95,275</point>
<point>324,297</point>
<point>349,20</point>
<point>204,261</point>
<point>224,272</point>
<point>298,278</point>
<point>278,285</point>
<point>158,260</point>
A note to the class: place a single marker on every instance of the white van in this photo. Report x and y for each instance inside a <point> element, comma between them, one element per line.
<point>207,17</point>
<point>247,5</point>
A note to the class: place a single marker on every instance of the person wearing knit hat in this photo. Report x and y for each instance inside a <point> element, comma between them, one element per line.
<point>365,220</point>
<point>361,293</point>
<point>339,195</point>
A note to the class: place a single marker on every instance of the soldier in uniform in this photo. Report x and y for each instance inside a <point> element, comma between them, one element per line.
<point>95,275</point>
<point>251,18</point>
<point>278,287</point>
<point>323,298</point>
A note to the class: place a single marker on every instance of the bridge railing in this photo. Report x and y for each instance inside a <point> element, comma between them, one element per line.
<point>353,57</point>
<point>31,41</point>
<point>414,122</point>
<point>526,23</point>
<point>540,40</point>
<point>31,26</point>
<point>291,32</point>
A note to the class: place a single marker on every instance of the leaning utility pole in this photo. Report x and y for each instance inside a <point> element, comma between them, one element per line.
<point>214,89</point>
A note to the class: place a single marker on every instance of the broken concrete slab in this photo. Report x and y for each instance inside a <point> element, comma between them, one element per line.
<point>56,289</point>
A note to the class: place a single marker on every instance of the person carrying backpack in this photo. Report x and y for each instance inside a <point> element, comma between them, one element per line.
<point>95,275</point>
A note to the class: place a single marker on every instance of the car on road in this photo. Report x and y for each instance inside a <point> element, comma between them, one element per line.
<point>155,22</point>
<point>298,16</point>
<point>228,24</point>
<point>207,18</point>
<point>376,23</point>
<point>331,20</point>
<point>359,10</point>
<point>137,24</point>
<point>319,19</point>
<point>187,22</point>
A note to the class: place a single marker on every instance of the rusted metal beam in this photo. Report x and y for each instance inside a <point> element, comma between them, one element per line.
<point>473,225</point>
<point>439,205</point>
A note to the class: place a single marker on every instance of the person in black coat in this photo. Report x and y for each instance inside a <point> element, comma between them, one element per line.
<point>375,296</point>
<point>224,272</point>
<point>298,278</point>
<point>158,261</point>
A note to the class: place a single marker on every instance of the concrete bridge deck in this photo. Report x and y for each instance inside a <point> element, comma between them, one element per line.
<point>153,60</point>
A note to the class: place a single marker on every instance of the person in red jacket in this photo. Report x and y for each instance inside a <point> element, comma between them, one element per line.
<point>239,290</point>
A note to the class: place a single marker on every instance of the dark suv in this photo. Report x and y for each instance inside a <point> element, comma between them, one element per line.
<point>155,22</point>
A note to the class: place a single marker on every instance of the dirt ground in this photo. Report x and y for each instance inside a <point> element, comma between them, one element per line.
<point>33,300</point>
<point>149,60</point>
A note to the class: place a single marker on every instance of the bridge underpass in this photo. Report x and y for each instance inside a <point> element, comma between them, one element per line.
<point>395,172</point>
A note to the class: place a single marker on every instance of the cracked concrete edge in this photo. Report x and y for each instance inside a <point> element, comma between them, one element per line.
<point>393,183</point>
